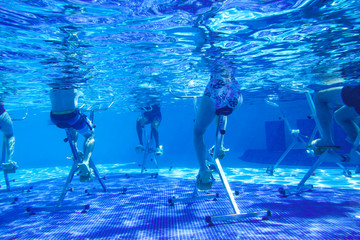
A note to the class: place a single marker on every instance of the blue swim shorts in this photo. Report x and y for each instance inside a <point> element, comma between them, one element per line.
<point>75,120</point>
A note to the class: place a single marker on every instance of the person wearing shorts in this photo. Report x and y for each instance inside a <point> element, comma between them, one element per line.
<point>6,126</point>
<point>66,114</point>
<point>151,115</point>
<point>347,99</point>
<point>221,96</point>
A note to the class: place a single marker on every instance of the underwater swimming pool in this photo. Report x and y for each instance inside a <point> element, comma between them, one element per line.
<point>120,54</point>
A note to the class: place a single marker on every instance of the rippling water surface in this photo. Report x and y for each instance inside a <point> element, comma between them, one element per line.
<point>124,48</point>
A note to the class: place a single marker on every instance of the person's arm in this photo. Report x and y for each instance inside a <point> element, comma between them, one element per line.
<point>78,94</point>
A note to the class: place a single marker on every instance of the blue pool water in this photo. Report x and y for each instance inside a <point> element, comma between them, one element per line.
<point>122,51</point>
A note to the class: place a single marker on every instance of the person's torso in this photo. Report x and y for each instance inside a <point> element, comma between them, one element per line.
<point>63,100</point>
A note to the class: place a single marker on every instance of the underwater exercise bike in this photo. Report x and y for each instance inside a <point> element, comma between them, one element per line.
<point>76,157</point>
<point>217,152</point>
<point>149,146</point>
<point>297,139</point>
<point>330,155</point>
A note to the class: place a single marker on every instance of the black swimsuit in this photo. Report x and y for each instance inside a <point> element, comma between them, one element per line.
<point>351,97</point>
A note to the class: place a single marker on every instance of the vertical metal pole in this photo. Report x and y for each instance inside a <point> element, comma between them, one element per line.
<point>313,111</point>
<point>146,147</point>
<point>74,167</point>
<point>221,126</point>
<point>97,175</point>
<point>152,147</point>
<point>285,153</point>
<point>92,116</point>
<point>68,181</point>
<point>91,163</point>
<point>73,148</point>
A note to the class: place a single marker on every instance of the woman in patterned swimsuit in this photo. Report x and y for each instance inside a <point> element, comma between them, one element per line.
<point>223,90</point>
<point>222,95</point>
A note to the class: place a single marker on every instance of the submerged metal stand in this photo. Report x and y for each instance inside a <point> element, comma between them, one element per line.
<point>297,138</point>
<point>220,132</point>
<point>74,168</point>
<point>149,150</point>
<point>327,156</point>
<point>76,160</point>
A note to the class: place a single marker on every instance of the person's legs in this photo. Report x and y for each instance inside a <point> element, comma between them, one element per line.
<point>140,123</point>
<point>139,126</point>
<point>345,117</point>
<point>9,140</point>
<point>85,128</point>
<point>204,116</point>
<point>74,136</point>
<point>155,133</point>
<point>78,123</point>
<point>9,166</point>
<point>10,145</point>
<point>84,167</point>
<point>322,100</point>
<point>88,147</point>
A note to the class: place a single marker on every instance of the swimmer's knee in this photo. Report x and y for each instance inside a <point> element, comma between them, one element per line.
<point>155,124</point>
<point>90,138</point>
